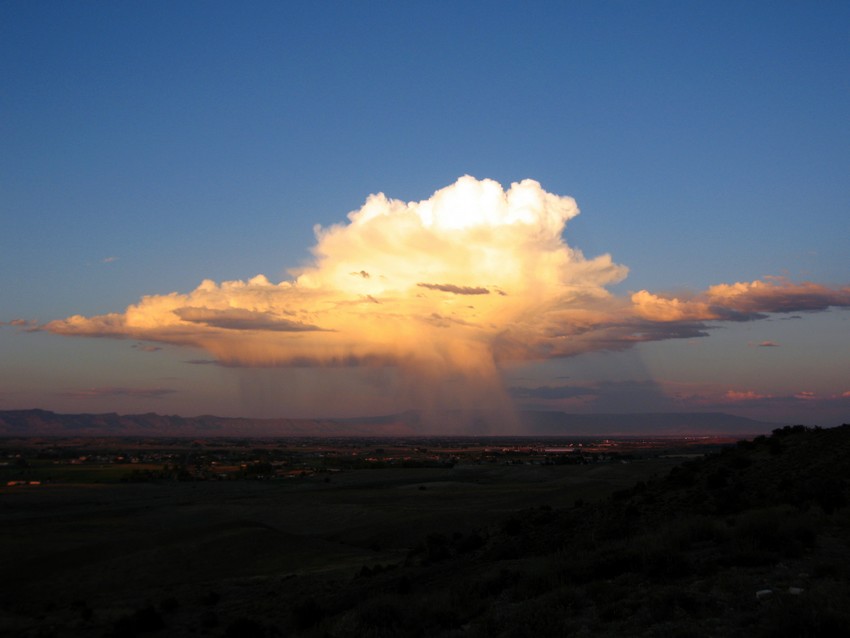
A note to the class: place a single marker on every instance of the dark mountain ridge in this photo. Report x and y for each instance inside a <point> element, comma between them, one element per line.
<point>37,422</point>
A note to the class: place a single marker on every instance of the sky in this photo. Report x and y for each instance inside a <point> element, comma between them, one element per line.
<point>346,209</point>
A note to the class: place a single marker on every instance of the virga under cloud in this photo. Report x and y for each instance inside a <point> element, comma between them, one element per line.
<point>454,285</point>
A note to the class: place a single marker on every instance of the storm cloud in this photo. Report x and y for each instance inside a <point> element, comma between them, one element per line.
<point>408,284</point>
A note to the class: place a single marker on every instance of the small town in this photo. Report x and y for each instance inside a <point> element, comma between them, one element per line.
<point>73,460</point>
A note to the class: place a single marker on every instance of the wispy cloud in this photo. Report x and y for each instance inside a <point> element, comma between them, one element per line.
<point>456,290</point>
<point>768,344</point>
<point>118,391</point>
<point>108,260</point>
<point>550,392</point>
<point>27,325</point>
<point>746,395</point>
<point>741,397</point>
<point>16,322</point>
<point>241,319</point>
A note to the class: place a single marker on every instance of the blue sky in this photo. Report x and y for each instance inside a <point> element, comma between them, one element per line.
<point>149,146</point>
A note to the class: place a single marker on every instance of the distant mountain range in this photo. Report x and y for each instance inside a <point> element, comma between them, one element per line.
<point>413,423</point>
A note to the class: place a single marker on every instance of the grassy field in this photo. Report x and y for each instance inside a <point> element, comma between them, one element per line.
<point>110,547</point>
<point>44,471</point>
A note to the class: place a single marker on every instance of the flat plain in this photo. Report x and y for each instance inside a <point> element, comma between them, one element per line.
<point>78,557</point>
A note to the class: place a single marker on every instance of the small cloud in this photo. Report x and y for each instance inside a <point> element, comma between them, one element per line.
<point>202,362</point>
<point>27,325</point>
<point>456,290</point>
<point>748,395</point>
<point>362,273</point>
<point>441,321</point>
<point>806,395</point>
<point>108,260</point>
<point>146,348</point>
<point>768,344</point>
<point>20,323</point>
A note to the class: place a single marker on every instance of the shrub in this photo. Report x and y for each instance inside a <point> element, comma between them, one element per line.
<point>169,605</point>
<point>143,620</point>
<point>512,526</point>
<point>307,614</point>
<point>823,614</point>
<point>761,537</point>
<point>245,628</point>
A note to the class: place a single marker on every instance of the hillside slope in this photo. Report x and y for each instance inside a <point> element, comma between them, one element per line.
<point>754,541</point>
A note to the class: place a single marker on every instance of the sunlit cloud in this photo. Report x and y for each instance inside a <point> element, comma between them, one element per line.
<point>806,395</point>
<point>708,398</point>
<point>108,260</point>
<point>768,344</point>
<point>746,395</point>
<point>27,325</point>
<point>742,301</point>
<point>786,406</point>
<point>452,287</point>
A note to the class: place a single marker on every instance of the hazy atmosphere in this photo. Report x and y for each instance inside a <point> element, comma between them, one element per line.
<point>350,209</point>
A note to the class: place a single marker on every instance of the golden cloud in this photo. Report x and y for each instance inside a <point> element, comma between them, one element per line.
<point>471,277</point>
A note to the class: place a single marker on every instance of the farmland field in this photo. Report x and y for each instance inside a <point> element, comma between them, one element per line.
<point>107,548</point>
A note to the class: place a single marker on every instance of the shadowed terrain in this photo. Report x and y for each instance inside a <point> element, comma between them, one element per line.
<point>112,547</point>
<point>752,540</point>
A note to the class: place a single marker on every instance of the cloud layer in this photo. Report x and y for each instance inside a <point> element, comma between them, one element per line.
<point>452,286</point>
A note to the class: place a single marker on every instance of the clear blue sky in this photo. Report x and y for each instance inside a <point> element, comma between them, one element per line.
<point>147,146</point>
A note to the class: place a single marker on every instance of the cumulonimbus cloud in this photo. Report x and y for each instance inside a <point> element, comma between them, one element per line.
<point>457,284</point>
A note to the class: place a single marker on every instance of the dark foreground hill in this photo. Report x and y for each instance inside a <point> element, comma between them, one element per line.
<point>412,423</point>
<point>754,541</point>
<point>750,541</point>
